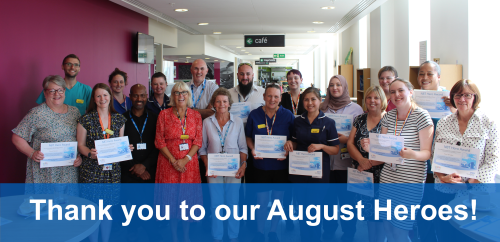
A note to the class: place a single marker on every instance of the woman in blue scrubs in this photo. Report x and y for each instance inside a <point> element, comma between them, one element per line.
<point>313,132</point>
<point>117,82</point>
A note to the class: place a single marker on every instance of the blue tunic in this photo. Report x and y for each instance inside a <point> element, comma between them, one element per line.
<point>123,107</point>
<point>283,125</point>
<point>302,135</point>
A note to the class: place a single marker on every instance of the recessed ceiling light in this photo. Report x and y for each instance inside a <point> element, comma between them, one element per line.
<point>176,60</point>
<point>207,58</point>
<point>181,10</point>
<point>318,22</point>
<point>247,52</point>
<point>328,7</point>
<point>217,32</point>
<point>238,47</point>
<point>216,60</point>
<point>202,23</point>
<point>243,50</point>
<point>188,57</point>
<point>311,31</point>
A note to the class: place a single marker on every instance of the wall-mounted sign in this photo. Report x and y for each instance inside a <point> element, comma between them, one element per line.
<point>270,60</point>
<point>279,55</point>
<point>264,40</point>
<point>261,63</point>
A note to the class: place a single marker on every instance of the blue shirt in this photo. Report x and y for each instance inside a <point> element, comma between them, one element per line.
<point>78,96</point>
<point>155,107</point>
<point>302,135</point>
<point>234,143</point>
<point>283,125</point>
<point>121,108</point>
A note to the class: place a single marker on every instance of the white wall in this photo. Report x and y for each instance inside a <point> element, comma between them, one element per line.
<point>401,38</point>
<point>187,45</point>
<point>211,49</point>
<point>162,33</point>
<point>387,35</point>
<point>374,46</point>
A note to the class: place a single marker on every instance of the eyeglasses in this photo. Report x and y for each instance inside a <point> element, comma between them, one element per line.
<point>242,64</point>
<point>184,93</point>
<point>466,95</point>
<point>71,64</point>
<point>53,91</point>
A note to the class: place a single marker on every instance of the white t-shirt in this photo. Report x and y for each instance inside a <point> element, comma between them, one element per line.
<point>256,96</point>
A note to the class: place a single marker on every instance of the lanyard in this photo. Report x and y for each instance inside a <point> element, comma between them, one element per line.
<point>295,107</point>
<point>199,97</point>
<point>163,106</point>
<point>183,124</point>
<point>406,119</point>
<point>124,102</point>
<point>244,100</point>
<point>144,126</point>
<point>225,136</point>
<point>267,126</point>
<point>109,125</point>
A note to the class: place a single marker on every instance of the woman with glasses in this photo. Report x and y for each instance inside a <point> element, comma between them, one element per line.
<point>291,100</point>
<point>117,81</point>
<point>469,127</point>
<point>386,75</point>
<point>51,121</point>
<point>178,137</point>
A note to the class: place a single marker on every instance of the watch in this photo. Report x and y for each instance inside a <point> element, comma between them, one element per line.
<point>189,157</point>
<point>90,155</point>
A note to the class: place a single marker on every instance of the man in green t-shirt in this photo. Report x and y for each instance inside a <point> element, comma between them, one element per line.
<point>77,94</point>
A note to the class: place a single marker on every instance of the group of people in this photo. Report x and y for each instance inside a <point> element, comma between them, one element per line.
<point>170,138</point>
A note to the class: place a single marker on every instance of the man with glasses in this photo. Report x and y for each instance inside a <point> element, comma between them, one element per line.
<point>201,89</point>
<point>246,91</point>
<point>77,94</point>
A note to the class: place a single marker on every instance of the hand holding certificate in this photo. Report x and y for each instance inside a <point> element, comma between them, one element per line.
<point>360,182</point>
<point>58,154</point>
<point>306,164</point>
<point>113,150</point>
<point>270,146</point>
<point>433,102</point>
<point>450,159</point>
<point>343,122</point>
<point>223,164</point>
<point>386,148</point>
<point>241,110</point>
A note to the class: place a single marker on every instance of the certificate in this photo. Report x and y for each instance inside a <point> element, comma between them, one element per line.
<point>270,146</point>
<point>306,164</point>
<point>343,122</point>
<point>433,102</point>
<point>450,159</point>
<point>386,148</point>
<point>223,164</point>
<point>360,182</point>
<point>241,110</point>
<point>58,154</point>
<point>112,150</point>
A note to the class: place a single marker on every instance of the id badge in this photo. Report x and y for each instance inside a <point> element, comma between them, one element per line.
<point>183,146</point>
<point>394,167</point>
<point>141,146</point>
<point>344,156</point>
<point>107,167</point>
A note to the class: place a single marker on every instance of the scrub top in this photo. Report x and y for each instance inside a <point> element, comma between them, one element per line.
<point>121,108</point>
<point>78,96</point>
<point>155,107</point>
<point>283,125</point>
<point>302,135</point>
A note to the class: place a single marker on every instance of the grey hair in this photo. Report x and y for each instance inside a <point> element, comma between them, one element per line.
<point>179,87</point>
<point>56,79</point>
<point>436,66</point>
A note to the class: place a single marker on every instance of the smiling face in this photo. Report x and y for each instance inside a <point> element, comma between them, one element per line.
<point>428,78</point>
<point>69,67</point>
<point>335,88</point>
<point>272,97</point>
<point>199,70</point>
<point>221,104</point>
<point>55,98</point>
<point>373,102</point>
<point>462,103</point>
<point>159,85</point>
<point>180,98</point>
<point>385,80</point>
<point>311,102</point>
<point>294,81</point>
<point>139,97</point>
<point>117,84</point>
<point>400,94</point>
<point>101,98</point>
<point>245,75</point>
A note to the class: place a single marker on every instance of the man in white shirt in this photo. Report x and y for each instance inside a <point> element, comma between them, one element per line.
<point>201,89</point>
<point>246,91</point>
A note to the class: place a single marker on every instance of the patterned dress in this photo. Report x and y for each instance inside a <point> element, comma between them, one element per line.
<point>362,132</point>
<point>42,125</point>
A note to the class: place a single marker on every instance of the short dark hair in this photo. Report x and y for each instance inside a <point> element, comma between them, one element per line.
<point>312,90</point>
<point>294,71</point>
<point>158,74</point>
<point>70,56</point>
<point>272,85</point>
<point>460,86</point>
<point>118,72</point>
<point>387,68</point>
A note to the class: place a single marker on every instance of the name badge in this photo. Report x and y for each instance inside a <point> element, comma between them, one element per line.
<point>314,131</point>
<point>394,167</point>
<point>343,150</point>
<point>261,126</point>
<point>183,146</point>
<point>141,146</point>
<point>184,136</point>
<point>80,101</point>
<point>344,156</point>
<point>109,131</point>
<point>107,167</point>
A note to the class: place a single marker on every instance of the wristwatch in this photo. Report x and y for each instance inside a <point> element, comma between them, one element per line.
<point>90,155</point>
<point>189,157</point>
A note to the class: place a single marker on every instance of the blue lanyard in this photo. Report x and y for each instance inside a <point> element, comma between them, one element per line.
<point>225,136</point>
<point>199,97</point>
<point>246,99</point>
<point>135,125</point>
<point>163,106</point>
<point>125,104</point>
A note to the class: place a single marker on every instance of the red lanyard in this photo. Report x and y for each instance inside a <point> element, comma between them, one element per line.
<point>267,126</point>
<point>396,124</point>
<point>102,127</point>
<point>295,107</point>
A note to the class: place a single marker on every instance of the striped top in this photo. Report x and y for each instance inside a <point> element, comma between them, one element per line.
<point>412,171</point>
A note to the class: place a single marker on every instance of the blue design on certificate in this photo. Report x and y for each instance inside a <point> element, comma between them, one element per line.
<point>343,122</point>
<point>223,164</point>
<point>241,110</point>
<point>360,182</point>
<point>386,148</point>
<point>450,159</point>
<point>433,102</point>
<point>113,150</point>
<point>58,154</point>
<point>306,164</point>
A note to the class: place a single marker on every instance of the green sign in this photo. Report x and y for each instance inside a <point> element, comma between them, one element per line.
<point>279,55</point>
<point>249,41</point>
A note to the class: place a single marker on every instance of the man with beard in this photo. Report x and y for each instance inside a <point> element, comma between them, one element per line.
<point>246,91</point>
<point>201,89</point>
<point>77,94</point>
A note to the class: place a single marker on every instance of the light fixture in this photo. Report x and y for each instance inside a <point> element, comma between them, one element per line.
<point>216,60</point>
<point>217,32</point>
<point>238,47</point>
<point>247,52</point>
<point>207,58</point>
<point>318,22</point>
<point>243,50</point>
<point>202,23</point>
<point>311,31</point>
<point>181,10</point>
<point>328,7</point>
<point>188,57</point>
<point>176,60</point>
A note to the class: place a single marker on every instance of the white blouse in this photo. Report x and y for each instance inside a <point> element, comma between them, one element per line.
<point>482,134</point>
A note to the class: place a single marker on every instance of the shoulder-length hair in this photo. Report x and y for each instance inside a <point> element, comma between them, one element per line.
<point>93,105</point>
<point>460,86</point>
<point>380,94</point>
<point>179,87</point>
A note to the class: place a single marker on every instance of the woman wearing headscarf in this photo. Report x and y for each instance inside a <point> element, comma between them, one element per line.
<point>337,101</point>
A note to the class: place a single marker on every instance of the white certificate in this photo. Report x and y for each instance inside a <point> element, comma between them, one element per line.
<point>450,159</point>
<point>360,182</point>
<point>112,150</point>
<point>270,146</point>
<point>343,122</point>
<point>223,164</point>
<point>58,154</point>
<point>306,164</point>
<point>241,110</point>
<point>386,148</point>
<point>433,102</point>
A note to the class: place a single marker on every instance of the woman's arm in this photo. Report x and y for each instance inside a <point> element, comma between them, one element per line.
<point>331,150</point>
<point>290,146</point>
<point>343,139</point>
<point>425,136</point>
<point>252,148</point>
<point>241,171</point>
<point>364,164</point>
<point>23,146</point>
